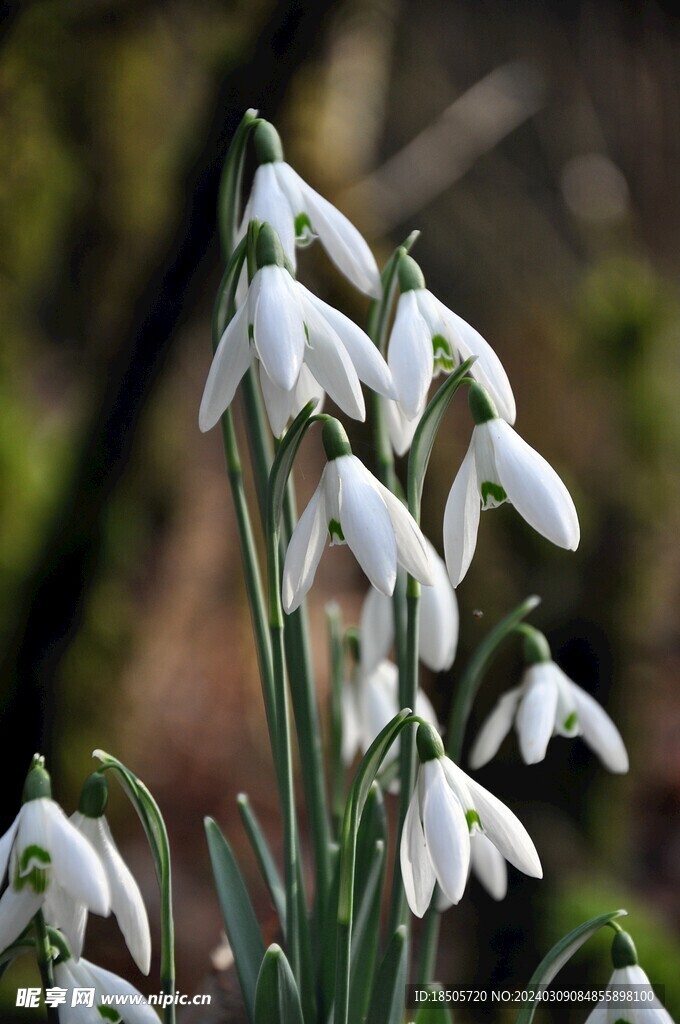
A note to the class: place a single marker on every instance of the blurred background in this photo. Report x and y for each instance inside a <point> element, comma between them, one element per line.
<point>536,146</point>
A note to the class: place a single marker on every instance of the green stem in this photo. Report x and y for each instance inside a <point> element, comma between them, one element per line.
<point>429,943</point>
<point>259,441</point>
<point>43,949</point>
<point>336,672</point>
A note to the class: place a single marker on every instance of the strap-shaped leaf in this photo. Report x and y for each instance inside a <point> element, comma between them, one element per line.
<point>229,198</point>
<point>283,462</point>
<point>265,860</point>
<point>277,1000</point>
<point>240,922</point>
<point>558,956</point>
<point>387,1001</point>
<point>365,932</point>
<point>424,438</point>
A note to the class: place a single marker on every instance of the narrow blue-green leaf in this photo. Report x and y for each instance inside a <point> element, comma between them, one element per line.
<point>240,922</point>
<point>424,438</point>
<point>283,462</point>
<point>265,860</point>
<point>387,1001</point>
<point>366,932</point>
<point>329,946</point>
<point>229,198</point>
<point>277,1000</point>
<point>558,956</point>
<point>223,308</point>
<point>372,830</point>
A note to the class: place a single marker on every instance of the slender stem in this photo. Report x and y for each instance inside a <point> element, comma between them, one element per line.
<point>43,948</point>
<point>336,672</point>
<point>259,440</point>
<point>429,943</point>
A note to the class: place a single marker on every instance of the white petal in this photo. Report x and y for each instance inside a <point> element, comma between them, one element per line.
<point>230,362</point>
<point>307,390</point>
<point>533,486</point>
<point>425,710</point>
<point>417,872</point>
<point>598,1015</point>
<point>269,202</point>
<point>111,984</point>
<point>379,703</point>
<point>599,732</point>
<point>495,728</point>
<point>16,910</point>
<point>461,519</point>
<point>6,846</point>
<point>376,627</point>
<point>280,404</point>
<point>446,831</point>
<point>489,866</point>
<point>370,366</point>
<point>400,428</point>
<point>366,523</point>
<point>278,328</point>
<point>63,911</point>
<point>567,721</point>
<point>330,364</point>
<point>341,240</point>
<point>410,355</point>
<point>651,1012</point>
<point>506,831</point>
<point>77,867</point>
<point>412,550</point>
<point>68,975</point>
<point>438,617</point>
<point>536,713</point>
<point>126,899</point>
<point>304,550</point>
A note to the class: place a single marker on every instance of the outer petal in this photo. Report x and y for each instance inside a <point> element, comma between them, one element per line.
<point>400,429</point>
<point>533,487</point>
<point>598,1015</point>
<point>71,917</point>
<point>461,518</point>
<point>269,202</point>
<point>410,355</point>
<point>446,831</point>
<point>370,366</point>
<point>77,867</point>
<point>536,713</point>
<point>341,240</point>
<point>6,846</point>
<point>69,976</point>
<point>376,626</point>
<point>417,872</point>
<point>366,523</point>
<point>438,617</point>
<point>489,866</point>
<point>230,362</point>
<point>506,831</point>
<point>599,732</point>
<point>278,327</point>
<point>378,704</point>
<point>16,910</point>
<point>495,729</point>
<point>280,404</point>
<point>304,550</point>
<point>412,550</point>
<point>330,364</point>
<point>111,984</point>
<point>126,899</point>
<point>651,1012</point>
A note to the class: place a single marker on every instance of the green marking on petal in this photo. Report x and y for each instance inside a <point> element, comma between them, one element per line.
<point>304,232</point>
<point>32,853</point>
<point>335,532</point>
<point>108,1013</point>
<point>492,494</point>
<point>570,721</point>
<point>444,360</point>
<point>251,333</point>
<point>472,819</point>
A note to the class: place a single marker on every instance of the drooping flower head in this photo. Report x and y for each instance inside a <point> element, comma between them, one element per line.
<point>131,1008</point>
<point>47,862</point>
<point>630,999</point>
<point>304,347</point>
<point>350,506</point>
<point>547,703</point>
<point>499,466</point>
<point>299,214</point>
<point>446,809</point>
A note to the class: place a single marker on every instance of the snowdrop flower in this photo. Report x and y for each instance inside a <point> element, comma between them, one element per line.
<point>547,703</point>
<point>351,506</point>
<point>438,622</point>
<point>49,861</point>
<point>70,975</point>
<point>126,900</point>
<point>287,329</point>
<point>369,701</point>
<point>499,466</point>
<point>400,428</point>
<point>428,339</point>
<point>627,972</point>
<point>446,809</point>
<point>298,213</point>
<point>490,867</point>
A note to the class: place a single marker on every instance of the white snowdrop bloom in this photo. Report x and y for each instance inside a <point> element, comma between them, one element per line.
<point>48,860</point>
<point>369,701</point>
<point>70,975</point>
<point>400,428</point>
<point>351,506</point>
<point>636,1004</point>
<point>299,214</point>
<point>547,703</point>
<point>447,806</point>
<point>126,899</point>
<point>490,867</point>
<point>287,329</point>
<point>437,625</point>
<point>428,338</point>
<point>499,466</point>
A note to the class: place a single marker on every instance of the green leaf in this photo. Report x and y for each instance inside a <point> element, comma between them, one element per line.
<point>276,998</point>
<point>265,860</point>
<point>365,930</point>
<point>229,200</point>
<point>424,438</point>
<point>434,1015</point>
<point>283,463</point>
<point>224,307</point>
<point>240,922</point>
<point>558,957</point>
<point>387,1001</point>
<point>379,309</point>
